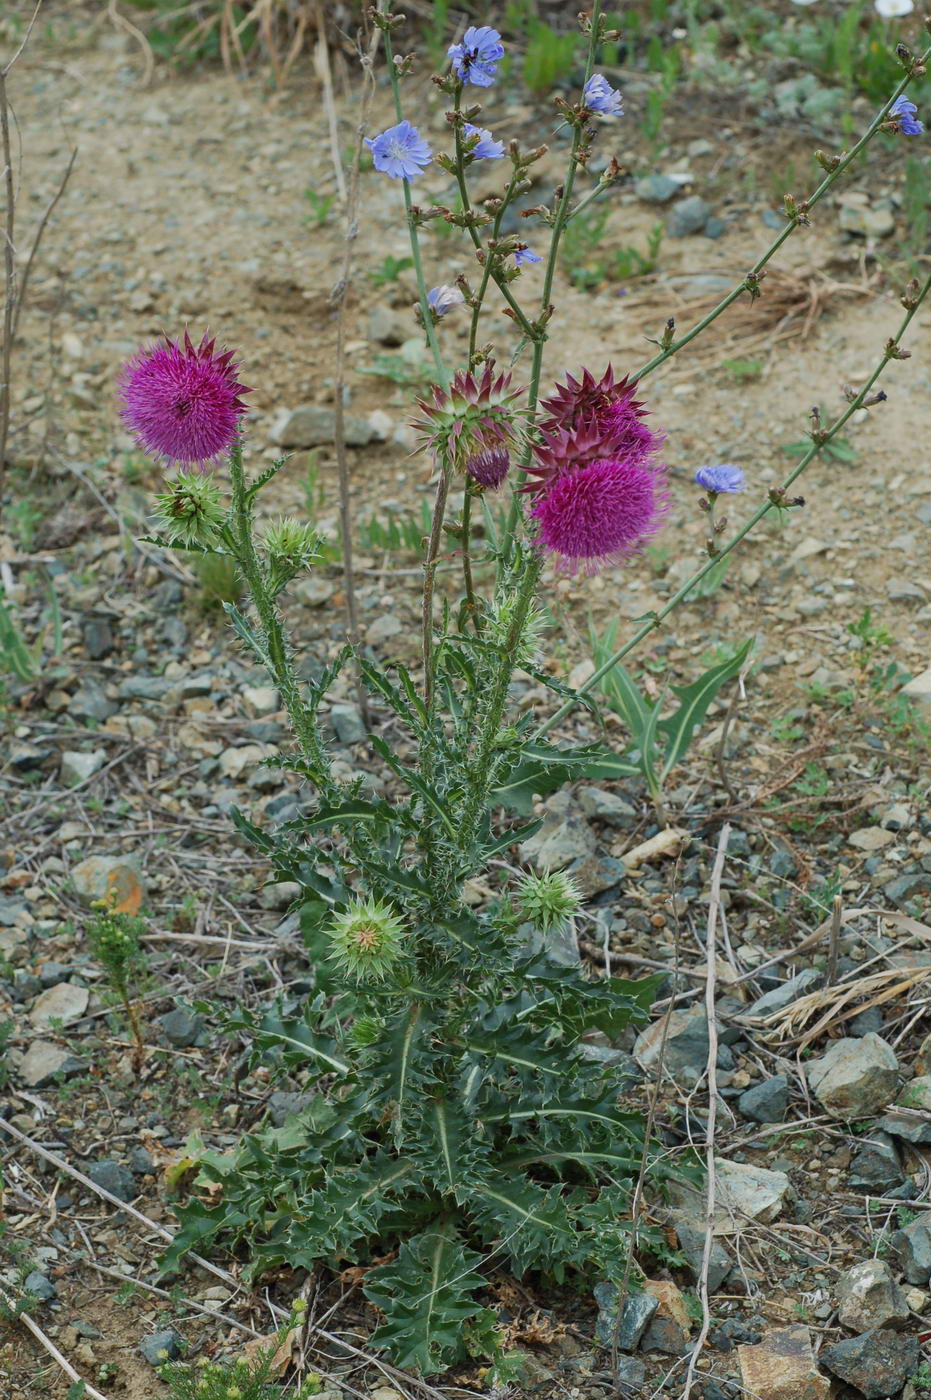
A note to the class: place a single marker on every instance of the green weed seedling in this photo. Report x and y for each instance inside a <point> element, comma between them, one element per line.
<point>320,206</point>
<point>743,371</point>
<point>390,270</point>
<point>246,1378</point>
<point>218,578</point>
<point>658,743</point>
<point>115,943</point>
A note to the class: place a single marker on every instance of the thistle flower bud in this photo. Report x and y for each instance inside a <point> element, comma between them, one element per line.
<point>549,901</point>
<point>290,545</point>
<point>191,511</point>
<point>366,939</point>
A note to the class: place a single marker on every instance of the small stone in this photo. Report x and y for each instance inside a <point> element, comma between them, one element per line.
<point>103,877</point>
<point>386,327</point>
<point>878,1363</point>
<point>746,1192</point>
<point>916,1299</point>
<point>60,1005</point>
<point>912,1247</point>
<point>871,838</point>
<point>607,807</point>
<point>44,1060</point>
<point>235,760</point>
<point>782,1367</point>
<point>636,1314</point>
<point>855,1077</point>
<point>179,1027</point>
<point>868,223</point>
<point>78,766</point>
<point>282,1106</point>
<point>313,591</point>
<point>162,1346</point>
<point>348,723</point>
<point>98,637</point>
<point>314,425</point>
<point>786,993</point>
<point>111,1176</point>
<point>766,1102</point>
<point>261,700</point>
<point>692,1246</point>
<point>631,1375</point>
<point>867,1296</point>
<point>656,189</point>
<point>875,1168</point>
<point>689,216</point>
<point>383,629</point>
<point>279,895</point>
<point>564,837</point>
<point>145,688</point>
<point>40,1287</point>
<point>685,1053</point>
<point>668,1329</point>
<point>905,590</point>
<point>919,688</point>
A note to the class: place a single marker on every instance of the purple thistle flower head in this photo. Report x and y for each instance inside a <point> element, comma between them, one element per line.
<point>476,59</point>
<point>486,148</point>
<point>182,402</point>
<point>489,468</point>
<point>526,255</point>
<point>599,96</point>
<point>722,480</point>
<point>601,515</point>
<point>400,152</point>
<point>443,298</point>
<point>903,112</point>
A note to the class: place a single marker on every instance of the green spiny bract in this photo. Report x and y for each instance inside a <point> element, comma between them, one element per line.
<point>191,511</point>
<point>290,546</point>
<point>550,900</point>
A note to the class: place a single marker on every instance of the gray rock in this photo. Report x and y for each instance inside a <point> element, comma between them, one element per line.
<point>348,723</point>
<point>90,702</point>
<point>314,425</point>
<point>919,688</point>
<point>607,807</point>
<point>44,1060</point>
<point>665,1336</point>
<point>782,996</point>
<point>766,1102</point>
<point>913,1128</point>
<point>876,1168</point>
<point>40,1287</point>
<point>878,1363</point>
<point>865,1021</point>
<point>656,189</point>
<point>631,1376</point>
<point>11,911</point>
<point>279,895</point>
<point>98,637</point>
<point>77,766</point>
<point>179,1027</point>
<point>855,1077</point>
<point>715,227</point>
<point>383,629</point>
<point>386,326</point>
<point>140,1162</point>
<point>913,1250</point>
<point>867,1296</point>
<point>685,1054</point>
<point>692,1246</point>
<point>596,873</point>
<point>145,688</point>
<point>636,1314</point>
<point>907,887</point>
<point>868,223</point>
<point>111,1176</point>
<point>98,876</point>
<point>61,1004</point>
<point>565,836</point>
<point>25,758</point>
<point>162,1346</point>
<point>690,216</point>
<point>282,1106</point>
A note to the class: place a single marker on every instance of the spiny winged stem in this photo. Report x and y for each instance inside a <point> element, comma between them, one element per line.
<point>429,574</point>
<point>480,771</point>
<point>303,724</point>
<point>774,502</point>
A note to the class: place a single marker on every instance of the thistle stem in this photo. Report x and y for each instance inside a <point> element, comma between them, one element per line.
<point>773,503</point>
<point>429,573</point>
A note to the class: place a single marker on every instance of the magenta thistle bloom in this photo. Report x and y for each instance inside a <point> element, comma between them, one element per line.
<point>400,152</point>
<point>599,96</point>
<point>489,468</point>
<point>182,402</point>
<point>601,515</point>
<point>476,59</point>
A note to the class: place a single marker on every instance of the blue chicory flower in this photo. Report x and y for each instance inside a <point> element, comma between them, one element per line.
<point>443,298</point>
<point>721,480</point>
<point>400,152</point>
<point>599,96</point>
<point>526,255</point>
<point>486,148</point>
<point>476,59</point>
<point>903,112</point>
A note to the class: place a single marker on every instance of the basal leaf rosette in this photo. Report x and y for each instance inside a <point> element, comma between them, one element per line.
<point>474,417</point>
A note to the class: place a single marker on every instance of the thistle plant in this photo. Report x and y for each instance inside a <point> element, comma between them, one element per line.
<point>456,1119</point>
<point>114,940</point>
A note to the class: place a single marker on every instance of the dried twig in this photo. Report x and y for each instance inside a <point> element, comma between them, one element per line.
<point>24,280</point>
<point>129,28</point>
<point>837,918</point>
<point>322,66</point>
<point>714,906</point>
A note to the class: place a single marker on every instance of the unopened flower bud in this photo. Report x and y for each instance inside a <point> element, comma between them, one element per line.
<point>828,163</point>
<point>191,511</point>
<point>909,297</point>
<point>894,352</point>
<point>549,901</point>
<point>366,939</point>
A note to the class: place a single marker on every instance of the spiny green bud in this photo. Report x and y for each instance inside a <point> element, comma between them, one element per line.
<point>365,1031</point>
<point>290,545</point>
<point>550,900</point>
<point>191,510</point>
<point>366,939</point>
